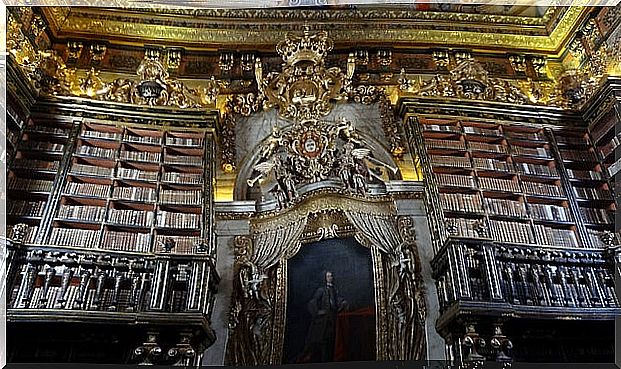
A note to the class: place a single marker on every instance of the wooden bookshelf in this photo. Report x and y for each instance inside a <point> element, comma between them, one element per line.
<point>504,181</point>
<point>126,188</point>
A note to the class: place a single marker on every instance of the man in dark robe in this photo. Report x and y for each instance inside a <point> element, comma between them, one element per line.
<point>323,307</point>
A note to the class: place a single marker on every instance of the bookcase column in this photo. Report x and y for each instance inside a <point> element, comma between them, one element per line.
<point>457,267</point>
<point>160,281</point>
<point>491,273</point>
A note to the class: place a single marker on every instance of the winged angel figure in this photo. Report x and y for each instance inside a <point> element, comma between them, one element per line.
<point>284,191</point>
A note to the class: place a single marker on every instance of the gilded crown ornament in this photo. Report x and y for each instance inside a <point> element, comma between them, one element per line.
<point>308,47</point>
<point>306,89</point>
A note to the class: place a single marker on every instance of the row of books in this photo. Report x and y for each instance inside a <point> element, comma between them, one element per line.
<point>450,161</point>
<point>592,193</point>
<point>572,139</point>
<point>82,212</point>
<point>584,174</point>
<point>101,134</point>
<point>510,231</point>
<point>445,144</point>
<point>181,244</point>
<point>127,241</point>
<point>131,217</point>
<point>134,193</point>
<point>91,170</point>
<point>541,152</point>
<point>31,232</point>
<point>127,173</point>
<point>499,184</point>
<point>96,151</point>
<point>506,207</point>
<point>461,202</point>
<point>152,140</point>
<point>536,188</point>
<point>482,131</point>
<point>493,164</point>
<point>42,146</point>
<point>536,136</point>
<point>178,220</point>
<point>578,155</point>
<point>29,184</point>
<point>74,237</point>
<point>184,178</point>
<point>441,128</point>
<point>549,212</point>
<point>454,180</point>
<point>25,208</point>
<point>184,141</point>
<point>536,169</point>
<point>597,216</point>
<point>482,146</point>
<point>183,160</point>
<point>147,156</point>
<point>556,237</point>
<point>49,130</point>
<point>194,197</point>
<point>87,189</point>
<point>47,165</point>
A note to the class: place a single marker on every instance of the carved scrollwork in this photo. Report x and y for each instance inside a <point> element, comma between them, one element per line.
<point>49,75</point>
<point>469,80</point>
<point>311,152</point>
<point>305,89</point>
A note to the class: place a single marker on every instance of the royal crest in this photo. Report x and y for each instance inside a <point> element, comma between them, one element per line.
<point>305,89</point>
<point>312,152</point>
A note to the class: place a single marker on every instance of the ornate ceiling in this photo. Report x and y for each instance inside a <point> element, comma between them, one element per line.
<point>492,27</point>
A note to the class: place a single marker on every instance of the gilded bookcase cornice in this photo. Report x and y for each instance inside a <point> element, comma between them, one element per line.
<point>256,31</point>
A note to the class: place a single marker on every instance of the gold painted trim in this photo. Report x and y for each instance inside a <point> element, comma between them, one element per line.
<point>88,27</point>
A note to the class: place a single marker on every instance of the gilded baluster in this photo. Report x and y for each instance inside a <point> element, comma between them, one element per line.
<point>66,279</point>
<point>101,279</point>
<point>50,272</point>
<point>568,291</point>
<point>142,290</point>
<point>582,299</point>
<point>556,292</point>
<point>85,277</point>
<point>593,286</point>
<point>526,293</point>
<point>133,294</point>
<point>537,290</point>
<point>545,284</point>
<point>118,279</point>
<point>514,288</point>
<point>27,285</point>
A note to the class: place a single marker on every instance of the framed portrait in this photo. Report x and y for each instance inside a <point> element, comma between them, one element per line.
<point>330,303</point>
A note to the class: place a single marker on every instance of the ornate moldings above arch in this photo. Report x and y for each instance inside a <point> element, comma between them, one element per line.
<point>258,309</point>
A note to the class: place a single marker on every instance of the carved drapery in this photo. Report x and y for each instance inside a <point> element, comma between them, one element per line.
<point>259,300</point>
<point>395,238</point>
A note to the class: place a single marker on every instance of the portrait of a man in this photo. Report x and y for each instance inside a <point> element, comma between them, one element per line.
<point>330,303</point>
<point>323,307</point>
